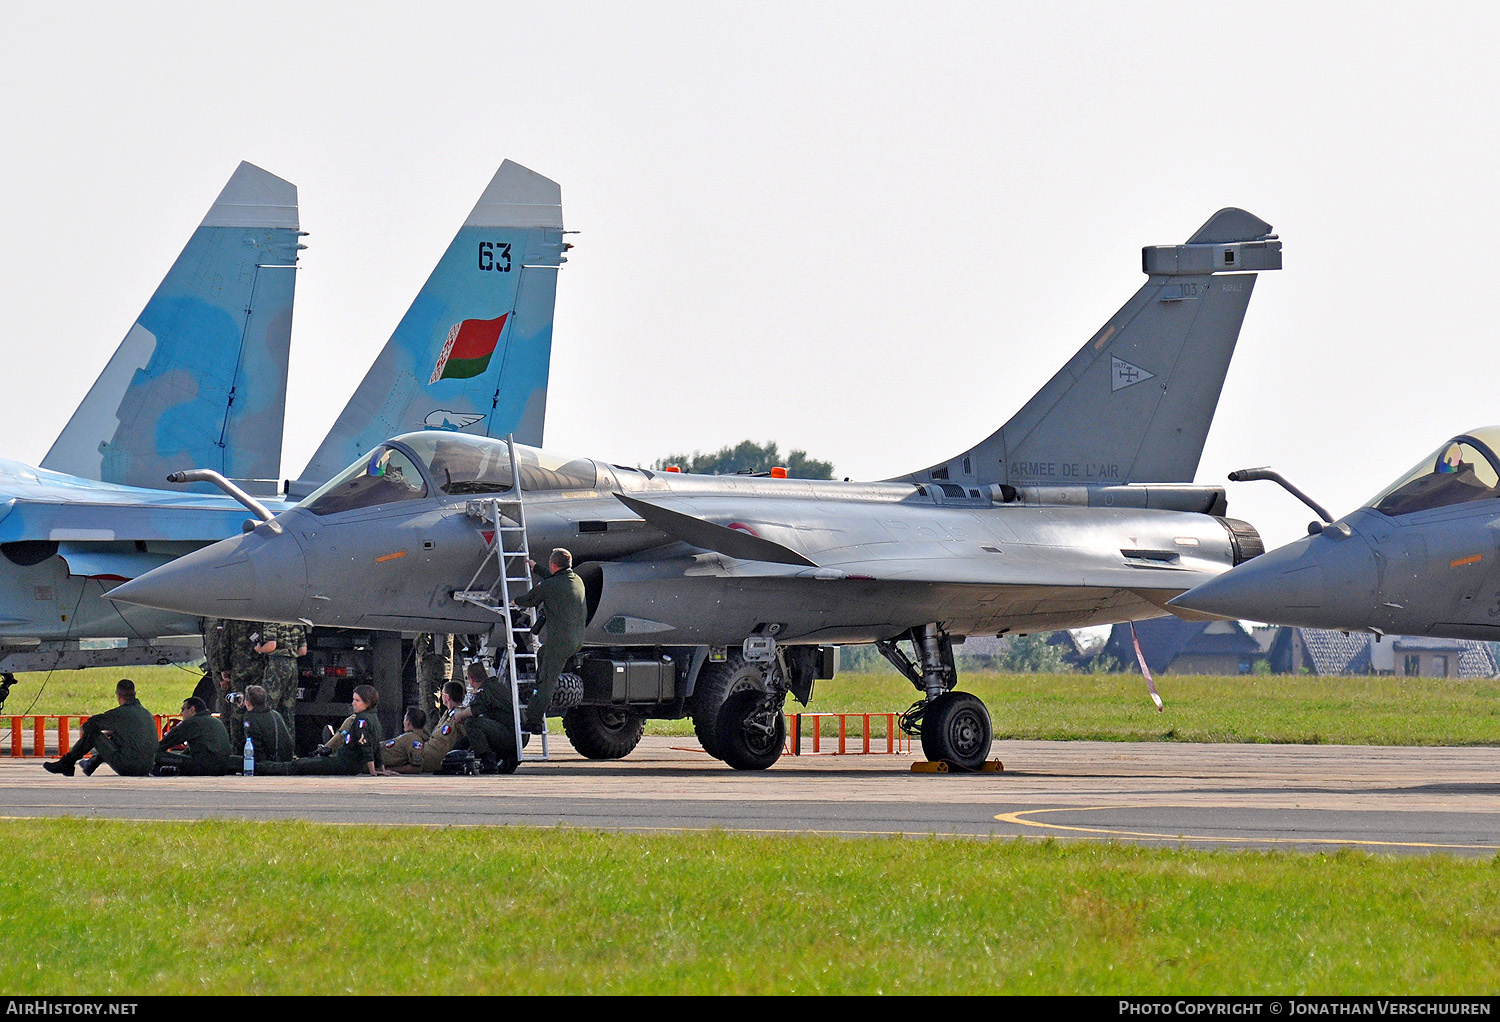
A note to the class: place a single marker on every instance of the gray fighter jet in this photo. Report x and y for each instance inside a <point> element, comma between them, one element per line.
<point>1422,558</point>
<point>715,597</point>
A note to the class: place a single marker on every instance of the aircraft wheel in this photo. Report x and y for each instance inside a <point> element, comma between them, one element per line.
<point>716,683</point>
<point>752,731</point>
<point>956,728</point>
<point>603,732</point>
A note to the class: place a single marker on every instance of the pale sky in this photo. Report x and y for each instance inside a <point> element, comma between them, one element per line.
<point>868,230</point>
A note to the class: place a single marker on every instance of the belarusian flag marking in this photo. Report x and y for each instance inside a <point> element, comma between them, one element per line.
<point>467,351</point>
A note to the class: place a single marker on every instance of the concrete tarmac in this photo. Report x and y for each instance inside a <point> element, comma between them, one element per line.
<point>1377,798</point>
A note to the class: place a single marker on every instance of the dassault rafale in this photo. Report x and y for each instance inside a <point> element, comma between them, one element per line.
<point>1421,558</point>
<point>716,597</point>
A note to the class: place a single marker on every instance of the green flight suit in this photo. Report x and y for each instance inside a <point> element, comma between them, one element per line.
<point>273,741</point>
<point>492,730</point>
<point>440,741</point>
<point>355,747</point>
<point>403,751</point>
<point>561,596</point>
<point>130,746</point>
<point>207,742</point>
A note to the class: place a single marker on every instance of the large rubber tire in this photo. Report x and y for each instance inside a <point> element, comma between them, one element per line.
<point>603,732</point>
<point>716,683</point>
<point>751,733</point>
<point>956,729</point>
<point>567,694</point>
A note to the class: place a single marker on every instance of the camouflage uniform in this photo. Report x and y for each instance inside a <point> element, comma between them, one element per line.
<point>238,657</point>
<point>279,669</point>
<point>213,663</point>
<point>434,665</point>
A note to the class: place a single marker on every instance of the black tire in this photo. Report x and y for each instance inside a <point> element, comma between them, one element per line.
<point>956,729</point>
<point>752,731</point>
<point>716,683</point>
<point>603,732</point>
<point>506,766</point>
<point>567,694</point>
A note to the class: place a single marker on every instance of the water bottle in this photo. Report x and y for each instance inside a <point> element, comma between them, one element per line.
<point>249,753</point>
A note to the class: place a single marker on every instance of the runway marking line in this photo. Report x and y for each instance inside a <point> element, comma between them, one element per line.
<point>1017,819</point>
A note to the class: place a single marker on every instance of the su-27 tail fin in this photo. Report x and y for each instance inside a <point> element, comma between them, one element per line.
<point>1135,403</point>
<point>473,351</point>
<point>200,379</point>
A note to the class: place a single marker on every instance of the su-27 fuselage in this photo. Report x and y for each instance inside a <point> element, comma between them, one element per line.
<point>676,559</point>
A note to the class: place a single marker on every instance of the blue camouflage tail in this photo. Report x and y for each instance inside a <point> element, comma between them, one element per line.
<point>473,351</point>
<point>200,379</point>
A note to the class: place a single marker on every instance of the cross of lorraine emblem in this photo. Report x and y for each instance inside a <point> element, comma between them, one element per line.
<point>1123,374</point>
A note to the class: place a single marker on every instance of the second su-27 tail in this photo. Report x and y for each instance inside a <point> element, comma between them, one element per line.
<point>1135,403</point>
<point>473,350</point>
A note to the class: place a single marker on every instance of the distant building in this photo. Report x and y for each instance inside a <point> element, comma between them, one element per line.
<point>1173,646</point>
<point>1323,652</point>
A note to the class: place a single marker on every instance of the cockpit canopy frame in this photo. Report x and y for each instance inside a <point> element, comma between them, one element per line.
<point>443,461</point>
<point>1463,470</point>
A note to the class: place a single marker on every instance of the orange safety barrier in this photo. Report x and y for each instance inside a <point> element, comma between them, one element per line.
<point>896,742</point>
<point>63,726</point>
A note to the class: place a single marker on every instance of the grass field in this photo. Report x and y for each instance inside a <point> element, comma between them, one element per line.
<point>1108,707</point>
<point>121,908</point>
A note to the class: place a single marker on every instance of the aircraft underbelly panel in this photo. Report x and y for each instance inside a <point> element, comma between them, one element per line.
<point>715,610</point>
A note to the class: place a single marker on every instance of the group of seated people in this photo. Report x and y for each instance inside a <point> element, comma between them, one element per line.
<point>125,737</point>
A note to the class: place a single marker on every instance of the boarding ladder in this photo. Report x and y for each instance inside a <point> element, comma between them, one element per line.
<point>505,515</point>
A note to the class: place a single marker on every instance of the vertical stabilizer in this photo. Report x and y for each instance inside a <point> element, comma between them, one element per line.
<point>1135,403</point>
<point>200,379</point>
<point>473,351</point>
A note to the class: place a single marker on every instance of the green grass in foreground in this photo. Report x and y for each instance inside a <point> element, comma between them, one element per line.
<point>131,908</point>
<point>1297,709</point>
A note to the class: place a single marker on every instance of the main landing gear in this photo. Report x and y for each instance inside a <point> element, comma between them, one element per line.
<point>737,709</point>
<point>954,726</point>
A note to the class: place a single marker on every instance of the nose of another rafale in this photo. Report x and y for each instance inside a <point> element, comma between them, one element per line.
<point>1322,581</point>
<point>254,577</point>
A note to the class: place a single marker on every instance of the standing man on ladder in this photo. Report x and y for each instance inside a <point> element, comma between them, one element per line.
<point>561,597</point>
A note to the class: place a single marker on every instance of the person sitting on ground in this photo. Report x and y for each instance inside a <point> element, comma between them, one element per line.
<point>446,733</point>
<point>266,730</point>
<point>490,725</point>
<point>354,750</point>
<point>206,740</point>
<point>403,754</point>
<point>124,737</point>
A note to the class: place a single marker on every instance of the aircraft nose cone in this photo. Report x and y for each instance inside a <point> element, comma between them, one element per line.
<point>1317,582</point>
<point>251,577</point>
